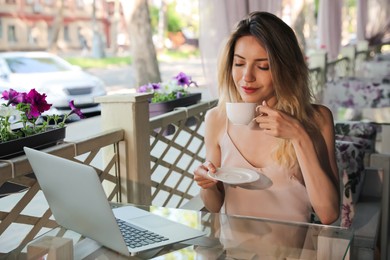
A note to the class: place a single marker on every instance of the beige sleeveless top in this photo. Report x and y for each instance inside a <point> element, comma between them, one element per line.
<point>276,195</point>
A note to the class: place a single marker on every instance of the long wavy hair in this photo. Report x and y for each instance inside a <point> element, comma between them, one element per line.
<point>289,71</point>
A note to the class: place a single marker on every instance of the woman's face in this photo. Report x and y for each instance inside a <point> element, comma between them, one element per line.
<point>251,72</point>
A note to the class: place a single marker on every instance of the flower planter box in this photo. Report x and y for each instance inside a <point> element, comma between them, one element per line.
<point>156,109</point>
<point>43,140</point>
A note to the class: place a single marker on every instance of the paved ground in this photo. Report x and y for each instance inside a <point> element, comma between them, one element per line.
<point>121,79</point>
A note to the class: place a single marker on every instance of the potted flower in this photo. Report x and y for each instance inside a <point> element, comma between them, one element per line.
<point>21,122</point>
<point>171,94</point>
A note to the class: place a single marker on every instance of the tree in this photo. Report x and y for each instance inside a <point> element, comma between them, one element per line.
<point>57,24</point>
<point>143,52</point>
<point>97,42</point>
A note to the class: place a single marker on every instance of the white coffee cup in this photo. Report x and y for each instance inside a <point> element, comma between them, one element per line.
<point>241,113</point>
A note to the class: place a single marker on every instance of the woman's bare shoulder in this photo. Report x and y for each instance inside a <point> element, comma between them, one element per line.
<point>215,116</point>
<point>323,115</point>
<point>215,120</point>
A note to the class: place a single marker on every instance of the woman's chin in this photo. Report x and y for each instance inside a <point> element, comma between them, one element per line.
<point>249,99</point>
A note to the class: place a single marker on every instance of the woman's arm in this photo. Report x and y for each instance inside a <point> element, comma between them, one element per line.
<point>322,186</point>
<point>212,191</point>
<point>320,177</point>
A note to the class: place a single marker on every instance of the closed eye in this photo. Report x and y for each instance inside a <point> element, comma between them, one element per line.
<point>263,68</point>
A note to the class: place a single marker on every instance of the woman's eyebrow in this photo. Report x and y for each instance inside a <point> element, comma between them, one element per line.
<point>259,59</point>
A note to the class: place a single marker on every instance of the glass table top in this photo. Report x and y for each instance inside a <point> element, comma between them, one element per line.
<point>228,237</point>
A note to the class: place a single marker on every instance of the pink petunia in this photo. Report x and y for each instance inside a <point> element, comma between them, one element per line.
<point>14,97</point>
<point>37,102</point>
<point>75,110</point>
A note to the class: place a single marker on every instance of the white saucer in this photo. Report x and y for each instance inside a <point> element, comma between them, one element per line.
<point>233,175</point>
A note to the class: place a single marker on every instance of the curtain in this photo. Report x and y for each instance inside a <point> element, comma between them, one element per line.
<point>362,18</point>
<point>329,27</point>
<point>216,21</point>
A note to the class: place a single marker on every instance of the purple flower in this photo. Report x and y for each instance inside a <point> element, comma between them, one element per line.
<point>75,110</point>
<point>37,102</point>
<point>149,87</point>
<point>184,80</point>
<point>155,86</point>
<point>348,103</point>
<point>179,94</point>
<point>13,96</point>
<point>346,218</point>
<point>142,89</point>
<point>165,91</point>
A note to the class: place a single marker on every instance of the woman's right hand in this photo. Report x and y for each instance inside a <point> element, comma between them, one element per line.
<point>201,178</point>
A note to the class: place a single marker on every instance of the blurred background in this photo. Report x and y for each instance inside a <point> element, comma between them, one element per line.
<point>131,43</point>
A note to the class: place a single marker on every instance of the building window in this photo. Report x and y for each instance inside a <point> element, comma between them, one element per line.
<point>66,34</point>
<point>11,33</point>
<point>32,36</point>
<point>49,33</point>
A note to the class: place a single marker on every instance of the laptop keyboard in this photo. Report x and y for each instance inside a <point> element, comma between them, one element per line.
<point>136,237</point>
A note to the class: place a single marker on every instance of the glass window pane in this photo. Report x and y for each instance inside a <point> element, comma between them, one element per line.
<point>11,33</point>
<point>35,65</point>
<point>66,34</point>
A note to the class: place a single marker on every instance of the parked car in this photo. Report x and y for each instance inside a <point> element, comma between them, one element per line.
<point>54,76</point>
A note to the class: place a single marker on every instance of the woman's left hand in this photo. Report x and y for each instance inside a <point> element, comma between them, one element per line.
<point>277,123</point>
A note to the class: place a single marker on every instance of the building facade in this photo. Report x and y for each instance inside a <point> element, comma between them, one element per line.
<point>33,24</point>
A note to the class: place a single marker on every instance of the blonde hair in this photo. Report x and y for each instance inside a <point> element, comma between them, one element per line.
<point>289,71</point>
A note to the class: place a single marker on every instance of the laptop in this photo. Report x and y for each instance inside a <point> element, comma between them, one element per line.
<point>78,202</point>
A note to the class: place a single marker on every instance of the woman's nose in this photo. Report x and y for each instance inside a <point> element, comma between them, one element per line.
<point>249,76</point>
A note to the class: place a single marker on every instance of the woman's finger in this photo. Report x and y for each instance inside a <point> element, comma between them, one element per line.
<point>210,166</point>
<point>264,110</point>
<point>201,177</point>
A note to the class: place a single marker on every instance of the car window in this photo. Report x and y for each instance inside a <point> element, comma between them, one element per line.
<point>3,68</point>
<point>35,65</point>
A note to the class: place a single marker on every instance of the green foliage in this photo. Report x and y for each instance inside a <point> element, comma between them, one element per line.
<point>316,7</point>
<point>163,97</point>
<point>154,16</point>
<point>175,21</point>
<point>351,3</point>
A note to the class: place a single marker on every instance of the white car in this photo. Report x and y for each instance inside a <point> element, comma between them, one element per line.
<point>53,76</point>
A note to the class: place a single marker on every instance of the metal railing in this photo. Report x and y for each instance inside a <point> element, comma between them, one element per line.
<point>317,82</point>
<point>338,68</point>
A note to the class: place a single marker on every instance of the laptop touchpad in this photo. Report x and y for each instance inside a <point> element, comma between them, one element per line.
<point>152,221</point>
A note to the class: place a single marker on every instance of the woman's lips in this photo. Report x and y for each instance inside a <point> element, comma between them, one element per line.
<point>248,90</point>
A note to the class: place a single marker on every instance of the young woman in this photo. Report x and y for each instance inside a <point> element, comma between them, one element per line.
<point>292,143</point>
